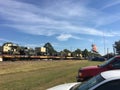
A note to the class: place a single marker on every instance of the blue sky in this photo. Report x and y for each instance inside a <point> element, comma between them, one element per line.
<point>67,24</point>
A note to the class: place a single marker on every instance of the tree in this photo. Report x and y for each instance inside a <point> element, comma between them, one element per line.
<point>85,53</point>
<point>67,52</point>
<point>77,52</point>
<point>49,49</point>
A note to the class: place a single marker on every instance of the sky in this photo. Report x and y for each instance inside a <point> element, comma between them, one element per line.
<point>66,24</point>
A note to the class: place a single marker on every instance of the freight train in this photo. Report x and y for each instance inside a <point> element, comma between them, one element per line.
<point>28,57</point>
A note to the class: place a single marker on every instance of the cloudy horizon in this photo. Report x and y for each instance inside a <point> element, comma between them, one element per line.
<point>68,23</point>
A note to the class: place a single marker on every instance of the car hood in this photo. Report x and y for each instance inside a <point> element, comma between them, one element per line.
<point>90,67</point>
<point>63,86</point>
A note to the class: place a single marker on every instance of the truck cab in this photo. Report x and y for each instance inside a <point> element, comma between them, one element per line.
<point>90,71</point>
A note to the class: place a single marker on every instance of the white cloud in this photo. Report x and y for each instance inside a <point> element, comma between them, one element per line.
<point>3,40</point>
<point>64,37</point>
<point>111,3</point>
<point>91,40</point>
<point>6,40</point>
<point>34,45</point>
<point>107,19</point>
<point>52,30</point>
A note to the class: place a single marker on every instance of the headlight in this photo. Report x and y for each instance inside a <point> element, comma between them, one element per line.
<point>80,74</point>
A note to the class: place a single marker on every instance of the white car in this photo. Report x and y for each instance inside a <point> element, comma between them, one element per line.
<point>108,80</point>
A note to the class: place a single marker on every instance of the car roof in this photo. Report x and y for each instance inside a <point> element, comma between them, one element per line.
<point>111,74</point>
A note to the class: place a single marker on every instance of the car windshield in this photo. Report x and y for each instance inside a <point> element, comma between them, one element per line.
<point>107,62</point>
<point>87,85</point>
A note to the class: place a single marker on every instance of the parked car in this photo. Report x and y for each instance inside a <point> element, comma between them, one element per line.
<point>108,80</point>
<point>98,59</point>
<point>90,71</point>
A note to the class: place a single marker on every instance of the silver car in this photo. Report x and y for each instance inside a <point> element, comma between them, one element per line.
<point>108,80</point>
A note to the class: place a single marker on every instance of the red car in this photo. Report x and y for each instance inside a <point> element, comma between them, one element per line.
<point>90,71</point>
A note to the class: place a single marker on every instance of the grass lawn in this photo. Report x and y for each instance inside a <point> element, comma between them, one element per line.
<point>39,75</point>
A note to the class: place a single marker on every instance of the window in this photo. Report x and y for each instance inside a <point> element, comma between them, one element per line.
<point>90,83</point>
<point>107,62</point>
<point>116,64</point>
<point>112,85</point>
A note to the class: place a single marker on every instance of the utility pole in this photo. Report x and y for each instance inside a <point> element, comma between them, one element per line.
<point>114,49</point>
<point>104,43</point>
<point>107,53</point>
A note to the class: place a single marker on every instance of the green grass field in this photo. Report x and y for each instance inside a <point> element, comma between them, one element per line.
<point>39,75</point>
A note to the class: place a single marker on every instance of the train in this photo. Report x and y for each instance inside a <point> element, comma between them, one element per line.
<point>29,57</point>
